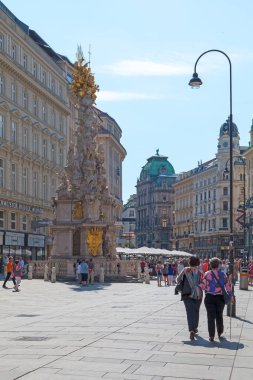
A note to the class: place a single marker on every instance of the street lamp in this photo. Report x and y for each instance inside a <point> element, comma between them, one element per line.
<point>196,82</point>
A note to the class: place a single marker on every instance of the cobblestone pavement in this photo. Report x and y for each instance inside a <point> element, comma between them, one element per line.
<point>116,331</point>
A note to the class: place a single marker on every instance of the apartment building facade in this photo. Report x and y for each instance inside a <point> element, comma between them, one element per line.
<point>155,202</point>
<point>202,203</point>
<point>34,124</point>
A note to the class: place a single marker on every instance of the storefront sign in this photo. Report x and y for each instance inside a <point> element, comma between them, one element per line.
<point>36,241</point>
<point>21,206</point>
<point>13,238</point>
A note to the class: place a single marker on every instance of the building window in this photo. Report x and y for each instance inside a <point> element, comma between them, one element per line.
<point>225,222</point>
<point>25,180</point>
<point>13,52</point>
<point>1,41</point>
<point>13,221</point>
<point>35,69</point>
<point>35,143</point>
<point>53,118</point>
<point>35,184</point>
<point>1,85</point>
<point>1,126</point>
<point>35,105</point>
<point>44,148</point>
<point>1,173</point>
<point>25,138</point>
<point>53,152</point>
<point>13,92</point>
<point>214,193</point>
<point>53,85</point>
<point>25,61</point>
<point>45,187</point>
<point>25,99</point>
<point>164,223</point>
<point>225,190</point>
<point>225,206</point>
<point>60,91</point>
<point>61,156</point>
<point>53,186</point>
<point>24,223</point>
<point>13,177</point>
<point>61,124</point>
<point>1,219</point>
<point>13,132</point>
<point>44,77</point>
<point>44,113</point>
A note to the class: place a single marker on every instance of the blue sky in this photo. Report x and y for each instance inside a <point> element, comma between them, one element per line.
<point>143,55</point>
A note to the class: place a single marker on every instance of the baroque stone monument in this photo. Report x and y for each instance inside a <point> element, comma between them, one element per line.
<point>83,226</point>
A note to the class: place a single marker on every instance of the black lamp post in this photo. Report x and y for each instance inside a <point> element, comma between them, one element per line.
<point>196,82</point>
<point>243,160</point>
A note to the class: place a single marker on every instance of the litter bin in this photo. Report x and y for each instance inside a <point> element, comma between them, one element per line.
<point>244,279</point>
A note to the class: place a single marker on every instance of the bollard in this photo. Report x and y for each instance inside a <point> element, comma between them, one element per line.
<point>53,275</point>
<point>138,272</point>
<point>46,273</point>
<point>102,275</point>
<point>30,272</point>
<point>147,276</point>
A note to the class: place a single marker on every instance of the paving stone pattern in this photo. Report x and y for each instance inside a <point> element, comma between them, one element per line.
<point>116,331</point>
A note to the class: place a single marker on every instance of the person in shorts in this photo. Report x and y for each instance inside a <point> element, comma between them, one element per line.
<point>159,273</point>
<point>9,273</point>
<point>17,273</point>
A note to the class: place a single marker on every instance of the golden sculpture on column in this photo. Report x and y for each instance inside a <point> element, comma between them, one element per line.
<point>94,240</point>
<point>83,82</point>
<point>78,210</point>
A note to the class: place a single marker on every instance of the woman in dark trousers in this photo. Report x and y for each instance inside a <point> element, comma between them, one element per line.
<point>191,293</point>
<point>213,282</point>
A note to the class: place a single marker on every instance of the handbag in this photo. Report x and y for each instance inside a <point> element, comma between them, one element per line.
<point>179,287</point>
<point>225,294</point>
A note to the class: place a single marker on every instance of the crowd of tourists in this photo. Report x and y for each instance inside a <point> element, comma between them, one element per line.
<point>196,279</point>
<point>84,272</point>
<point>166,272</point>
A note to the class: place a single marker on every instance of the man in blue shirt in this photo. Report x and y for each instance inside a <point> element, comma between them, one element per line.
<point>84,269</point>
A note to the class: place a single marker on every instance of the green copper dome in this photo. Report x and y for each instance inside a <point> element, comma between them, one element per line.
<point>157,166</point>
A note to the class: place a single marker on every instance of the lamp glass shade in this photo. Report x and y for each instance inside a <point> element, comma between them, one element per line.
<point>195,82</point>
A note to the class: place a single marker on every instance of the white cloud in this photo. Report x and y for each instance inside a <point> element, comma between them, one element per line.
<point>108,96</point>
<point>145,68</point>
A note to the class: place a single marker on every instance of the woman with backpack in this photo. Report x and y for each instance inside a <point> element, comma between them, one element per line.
<point>214,281</point>
<point>190,279</point>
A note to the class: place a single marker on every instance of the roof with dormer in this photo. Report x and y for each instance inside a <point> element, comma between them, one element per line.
<point>157,165</point>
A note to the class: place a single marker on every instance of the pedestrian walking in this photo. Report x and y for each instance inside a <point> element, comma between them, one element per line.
<point>214,282</point>
<point>159,273</point>
<point>9,270</point>
<point>191,294</point>
<point>165,274</point>
<point>17,273</point>
<point>170,274</point>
